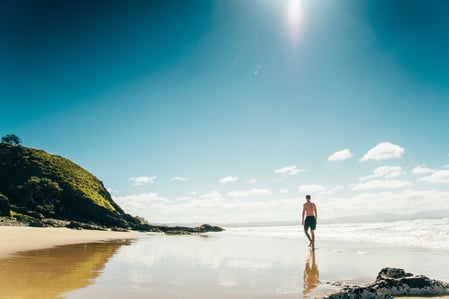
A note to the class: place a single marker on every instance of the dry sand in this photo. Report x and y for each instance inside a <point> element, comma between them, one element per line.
<point>16,239</point>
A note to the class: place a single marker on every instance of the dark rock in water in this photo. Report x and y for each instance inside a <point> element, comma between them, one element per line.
<point>392,282</point>
<point>4,205</point>
<point>387,273</point>
<point>209,228</point>
<point>184,230</point>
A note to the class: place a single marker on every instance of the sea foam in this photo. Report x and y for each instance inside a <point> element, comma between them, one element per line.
<point>422,233</point>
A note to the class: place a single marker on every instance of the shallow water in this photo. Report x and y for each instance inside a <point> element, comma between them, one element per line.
<point>219,265</point>
<point>226,266</point>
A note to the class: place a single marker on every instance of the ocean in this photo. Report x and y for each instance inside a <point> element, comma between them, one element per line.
<point>418,233</point>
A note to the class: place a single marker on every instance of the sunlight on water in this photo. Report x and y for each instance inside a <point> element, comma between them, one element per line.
<point>248,266</point>
<point>183,266</point>
<point>262,262</point>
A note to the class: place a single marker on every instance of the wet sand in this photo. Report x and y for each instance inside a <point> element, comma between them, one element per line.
<point>215,265</point>
<point>48,273</point>
<point>16,239</point>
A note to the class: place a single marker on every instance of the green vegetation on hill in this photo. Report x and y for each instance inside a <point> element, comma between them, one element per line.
<point>56,187</point>
<point>49,190</point>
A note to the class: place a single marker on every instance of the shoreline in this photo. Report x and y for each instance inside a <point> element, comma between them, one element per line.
<point>212,256</point>
<point>23,238</point>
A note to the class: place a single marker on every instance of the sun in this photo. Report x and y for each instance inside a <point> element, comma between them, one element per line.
<point>294,17</point>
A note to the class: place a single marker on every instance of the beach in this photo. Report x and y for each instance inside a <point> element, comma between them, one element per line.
<point>239,263</point>
<point>21,238</point>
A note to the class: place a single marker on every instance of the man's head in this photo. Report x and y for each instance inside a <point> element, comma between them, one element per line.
<point>308,197</point>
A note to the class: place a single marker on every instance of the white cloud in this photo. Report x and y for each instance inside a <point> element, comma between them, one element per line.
<point>183,198</point>
<point>157,209</point>
<point>333,190</point>
<point>179,178</point>
<point>283,191</point>
<point>384,151</point>
<point>252,181</point>
<point>340,155</point>
<point>229,179</point>
<point>249,193</point>
<point>310,188</point>
<point>214,195</point>
<point>221,211</point>
<point>316,188</point>
<point>441,176</point>
<point>135,204</point>
<point>142,180</point>
<point>401,201</point>
<point>387,172</point>
<point>380,184</point>
<point>422,170</point>
<point>288,170</point>
<point>143,197</point>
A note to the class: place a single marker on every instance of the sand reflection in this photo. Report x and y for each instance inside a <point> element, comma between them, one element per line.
<point>50,272</point>
<point>311,274</point>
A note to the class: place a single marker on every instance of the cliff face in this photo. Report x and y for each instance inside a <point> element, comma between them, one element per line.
<point>54,187</point>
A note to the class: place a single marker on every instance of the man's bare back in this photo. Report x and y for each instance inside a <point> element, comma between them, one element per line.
<point>310,209</point>
<point>309,220</point>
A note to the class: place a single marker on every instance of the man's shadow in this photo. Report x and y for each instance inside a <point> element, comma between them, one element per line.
<point>311,274</point>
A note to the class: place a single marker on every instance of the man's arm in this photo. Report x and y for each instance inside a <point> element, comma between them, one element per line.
<point>316,213</point>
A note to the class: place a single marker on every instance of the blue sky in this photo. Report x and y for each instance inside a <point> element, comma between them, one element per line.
<point>229,111</point>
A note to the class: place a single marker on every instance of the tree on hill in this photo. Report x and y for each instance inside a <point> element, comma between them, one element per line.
<point>41,194</point>
<point>11,139</point>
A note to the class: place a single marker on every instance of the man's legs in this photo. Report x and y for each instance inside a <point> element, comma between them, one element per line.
<point>309,237</point>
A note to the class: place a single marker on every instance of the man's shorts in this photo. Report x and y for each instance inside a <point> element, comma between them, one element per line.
<point>310,222</point>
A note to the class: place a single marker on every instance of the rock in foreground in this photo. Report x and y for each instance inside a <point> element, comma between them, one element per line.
<point>392,282</point>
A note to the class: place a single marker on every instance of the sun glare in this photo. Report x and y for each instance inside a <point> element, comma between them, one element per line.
<point>293,19</point>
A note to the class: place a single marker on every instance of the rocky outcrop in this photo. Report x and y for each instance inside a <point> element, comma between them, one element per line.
<point>4,205</point>
<point>183,230</point>
<point>29,219</point>
<point>392,282</point>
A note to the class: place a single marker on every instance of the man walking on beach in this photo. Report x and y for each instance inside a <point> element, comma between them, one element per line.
<point>310,214</point>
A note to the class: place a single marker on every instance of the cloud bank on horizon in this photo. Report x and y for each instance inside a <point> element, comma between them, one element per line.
<point>387,189</point>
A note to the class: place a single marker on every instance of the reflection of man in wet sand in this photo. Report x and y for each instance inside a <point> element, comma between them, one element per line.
<point>311,274</point>
<point>310,214</point>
